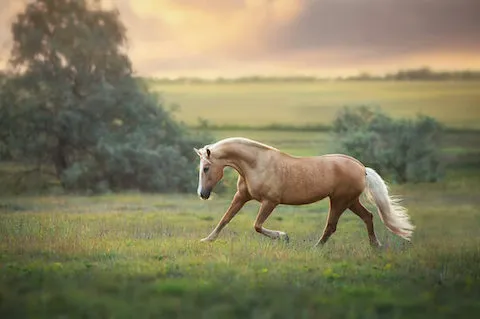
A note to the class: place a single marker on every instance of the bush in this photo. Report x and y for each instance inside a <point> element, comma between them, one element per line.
<point>127,166</point>
<point>406,150</point>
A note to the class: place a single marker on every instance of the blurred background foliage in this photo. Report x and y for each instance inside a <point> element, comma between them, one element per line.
<point>70,104</point>
<point>405,150</point>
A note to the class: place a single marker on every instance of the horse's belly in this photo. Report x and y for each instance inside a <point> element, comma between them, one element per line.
<point>301,197</point>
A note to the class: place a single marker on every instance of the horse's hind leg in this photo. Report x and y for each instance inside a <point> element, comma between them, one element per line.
<point>266,209</point>
<point>337,207</point>
<point>367,217</point>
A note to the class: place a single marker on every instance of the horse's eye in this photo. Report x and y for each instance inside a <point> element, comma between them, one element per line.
<point>205,169</point>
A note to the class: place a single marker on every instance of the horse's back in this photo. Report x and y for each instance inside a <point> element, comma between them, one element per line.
<point>346,172</point>
<point>309,179</point>
<point>340,158</point>
<point>342,166</point>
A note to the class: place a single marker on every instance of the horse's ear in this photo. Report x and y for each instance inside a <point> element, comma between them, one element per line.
<point>197,151</point>
<point>208,152</point>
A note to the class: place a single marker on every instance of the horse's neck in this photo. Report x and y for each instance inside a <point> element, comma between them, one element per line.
<point>241,157</point>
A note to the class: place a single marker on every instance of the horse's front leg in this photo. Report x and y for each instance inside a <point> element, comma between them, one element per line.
<point>266,209</point>
<point>237,203</point>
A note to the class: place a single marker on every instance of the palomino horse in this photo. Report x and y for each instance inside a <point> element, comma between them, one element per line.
<point>272,177</point>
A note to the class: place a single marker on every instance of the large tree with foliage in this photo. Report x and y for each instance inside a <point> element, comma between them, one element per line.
<point>72,103</point>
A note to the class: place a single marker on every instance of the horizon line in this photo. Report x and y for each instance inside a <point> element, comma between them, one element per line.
<point>359,75</point>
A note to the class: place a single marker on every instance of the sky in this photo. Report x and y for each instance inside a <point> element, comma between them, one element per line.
<point>229,38</point>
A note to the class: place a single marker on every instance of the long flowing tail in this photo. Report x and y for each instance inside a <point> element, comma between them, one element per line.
<point>392,214</point>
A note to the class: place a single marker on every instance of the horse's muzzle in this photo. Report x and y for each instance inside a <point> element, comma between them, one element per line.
<point>205,194</point>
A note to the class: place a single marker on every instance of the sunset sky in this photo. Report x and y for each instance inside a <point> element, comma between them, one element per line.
<point>211,38</point>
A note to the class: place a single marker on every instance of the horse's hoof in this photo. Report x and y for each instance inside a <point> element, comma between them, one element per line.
<point>284,236</point>
<point>206,240</point>
<point>376,245</point>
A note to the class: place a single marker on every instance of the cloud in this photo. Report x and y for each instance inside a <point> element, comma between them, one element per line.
<point>7,13</point>
<point>200,35</point>
<point>373,29</point>
<point>215,25</point>
<point>231,37</point>
<point>309,35</point>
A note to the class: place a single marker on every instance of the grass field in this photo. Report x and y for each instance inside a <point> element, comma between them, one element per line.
<point>138,256</point>
<point>456,104</point>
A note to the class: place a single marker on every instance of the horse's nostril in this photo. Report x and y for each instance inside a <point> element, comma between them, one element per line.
<point>205,194</point>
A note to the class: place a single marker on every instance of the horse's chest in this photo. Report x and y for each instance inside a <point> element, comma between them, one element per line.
<point>263,187</point>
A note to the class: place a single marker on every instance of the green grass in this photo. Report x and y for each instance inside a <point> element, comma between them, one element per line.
<point>456,104</point>
<point>138,256</point>
<point>134,255</point>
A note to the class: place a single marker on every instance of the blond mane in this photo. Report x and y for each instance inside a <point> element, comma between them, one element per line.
<point>240,140</point>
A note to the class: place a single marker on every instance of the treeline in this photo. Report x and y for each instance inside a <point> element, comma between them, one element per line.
<point>420,74</point>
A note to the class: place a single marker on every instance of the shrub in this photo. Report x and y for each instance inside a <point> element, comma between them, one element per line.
<point>406,150</point>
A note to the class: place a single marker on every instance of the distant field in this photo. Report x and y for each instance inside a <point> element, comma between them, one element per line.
<point>457,104</point>
<point>299,143</point>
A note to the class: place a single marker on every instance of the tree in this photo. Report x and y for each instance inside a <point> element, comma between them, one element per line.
<point>406,150</point>
<point>73,104</point>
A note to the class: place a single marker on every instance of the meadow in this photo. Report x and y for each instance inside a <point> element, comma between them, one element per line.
<point>456,104</point>
<point>135,255</point>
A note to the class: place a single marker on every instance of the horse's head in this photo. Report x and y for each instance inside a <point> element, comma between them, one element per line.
<point>210,172</point>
